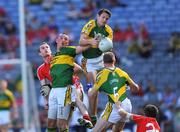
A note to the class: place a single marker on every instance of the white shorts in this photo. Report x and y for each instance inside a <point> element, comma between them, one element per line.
<point>4,117</point>
<point>60,100</point>
<point>95,64</point>
<point>110,113</point>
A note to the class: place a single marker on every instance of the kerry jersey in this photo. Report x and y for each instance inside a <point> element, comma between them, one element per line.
<point>92,30</point>
<point>62,66</point>
<point>113,82</point>
<point>6,99</point>
<point>43,72</point>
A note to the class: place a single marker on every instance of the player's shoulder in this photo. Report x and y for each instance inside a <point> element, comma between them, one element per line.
<point>41,67</point>
<point>108,27</point>
<point>90,23</point>
<point>8,92</point>
<point>121,71</point>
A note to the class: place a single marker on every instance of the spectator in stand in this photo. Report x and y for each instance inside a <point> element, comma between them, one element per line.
<point>47,4</point>
<point>145,50</point>
<point>129,34</point>
<point>152,96</point>
<point>2,43</point>
<point>72,13</point>
<point>2,17</point>
<point>143,34</point>
<point>174,44</point>
<point>35,1</point>
<point>9,27</point>
<point>12,43</point>
<point>29,15</point>
<point>114,3</point>
<point>52,23</point>
<point>87,11</point>
<point>30,35</point>
<point>43,32</point>
<point>169,98</point>
<point>118,34</point>
<point>35,23</point>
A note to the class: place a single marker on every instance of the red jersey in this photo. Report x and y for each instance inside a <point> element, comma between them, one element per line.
<point>146,124</point>
<point>43,72</point>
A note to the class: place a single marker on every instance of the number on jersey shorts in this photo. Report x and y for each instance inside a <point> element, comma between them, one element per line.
<point>94,64</point>
<point>60,100</point>
<point>4,117</point>
<point>111,114</point>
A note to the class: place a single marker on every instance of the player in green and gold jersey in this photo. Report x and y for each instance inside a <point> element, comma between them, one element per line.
<point>113,82</point>
<point>63,92</point>
<point>7,101</point>
<point>92,33</point>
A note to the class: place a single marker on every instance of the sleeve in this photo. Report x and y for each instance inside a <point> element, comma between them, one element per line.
<point>88,27</point>
<point>98,82</point>
<point>137,118</point>
<point>10,95</point>
<point>129,80</point>
<point>110,31</point>
<point>40,74</point>
<point>101,78</point>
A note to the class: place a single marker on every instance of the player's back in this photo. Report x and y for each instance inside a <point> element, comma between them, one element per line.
<point>146,124</point>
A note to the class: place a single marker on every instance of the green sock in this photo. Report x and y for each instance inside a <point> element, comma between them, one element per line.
<point>51,129</point>
<point>65,130</point>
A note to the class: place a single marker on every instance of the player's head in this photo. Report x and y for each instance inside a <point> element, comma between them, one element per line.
<point>109,58</point>
<point>103,16</point>
<point>151,111</point>
<point>3,84</point>
<point>44,49</point>
<point>62,40</point>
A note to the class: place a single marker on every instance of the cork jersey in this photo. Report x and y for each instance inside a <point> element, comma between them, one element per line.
<point>146,124</point>
<point>43,72</point>
<point>113,82</point>
<point>91,29</point>
<point>61,67</point>
<point>6,99</point>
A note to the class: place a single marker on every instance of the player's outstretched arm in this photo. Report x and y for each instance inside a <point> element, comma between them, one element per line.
<point>80,49</point>
<point>124,114</point>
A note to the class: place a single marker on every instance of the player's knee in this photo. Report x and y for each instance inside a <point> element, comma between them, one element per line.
<point>62,124</point>
<point>51,123</point>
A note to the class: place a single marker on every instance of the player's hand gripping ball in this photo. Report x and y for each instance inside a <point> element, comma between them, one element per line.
<point>105,44</point>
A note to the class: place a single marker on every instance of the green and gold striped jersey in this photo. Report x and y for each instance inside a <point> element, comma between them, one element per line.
<point>113,83</point>
<point>61,68</point>
<point>92,30</point>
<point>6,99</point>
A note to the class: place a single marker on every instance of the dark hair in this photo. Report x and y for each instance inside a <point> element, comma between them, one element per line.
<point>151,111</point>
<point>41,44</point>
<point>104,10</point>
<point>108,57</point>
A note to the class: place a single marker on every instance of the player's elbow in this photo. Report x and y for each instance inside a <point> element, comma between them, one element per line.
<point>136,87</point>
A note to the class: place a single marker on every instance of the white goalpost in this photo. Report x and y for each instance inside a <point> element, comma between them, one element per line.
<point>30,111</point>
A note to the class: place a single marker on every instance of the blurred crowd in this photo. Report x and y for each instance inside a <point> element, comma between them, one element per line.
<point>137,41</point>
